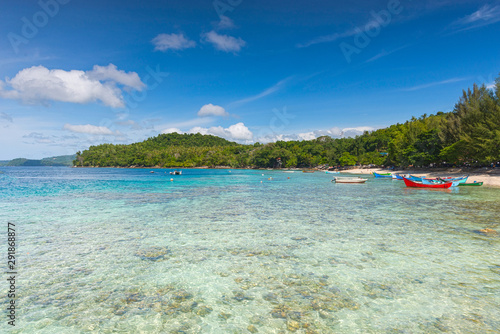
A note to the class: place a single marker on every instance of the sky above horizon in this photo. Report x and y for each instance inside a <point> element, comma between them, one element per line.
<point>77,73</point>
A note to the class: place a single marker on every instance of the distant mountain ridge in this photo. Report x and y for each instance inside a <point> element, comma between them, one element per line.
<point>61,160</point>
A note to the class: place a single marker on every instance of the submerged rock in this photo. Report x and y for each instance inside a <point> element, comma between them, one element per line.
<point>225,316</point>
<point>153,253</point>
<point>487,231</point>
<point>181,295</point>
<point>292,325</point>
<point>204,310</point>
<point>252,329</point>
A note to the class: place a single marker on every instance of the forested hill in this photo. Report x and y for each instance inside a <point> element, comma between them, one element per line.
<point>186,140</point>
<point>62,160</point>
<point>470,134</point>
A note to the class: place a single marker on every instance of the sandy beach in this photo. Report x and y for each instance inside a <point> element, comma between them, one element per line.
<point>489,176</point>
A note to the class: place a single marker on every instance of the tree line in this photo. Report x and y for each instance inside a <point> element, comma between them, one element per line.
<point>470,135</point>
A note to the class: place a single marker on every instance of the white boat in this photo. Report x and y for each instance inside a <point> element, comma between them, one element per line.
<point>176,172</point>
<point>349,180</point>
<point>288,171</point>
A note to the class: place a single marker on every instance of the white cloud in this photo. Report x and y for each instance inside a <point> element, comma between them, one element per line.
<point>38,84</point>
<point>111,73</point>
<point>484,16</point>
<point>224,42</point>
<point>334,132</point>
<point>211,110</point>
<point>164,42</point>
<point>238,132</point>
<point>172,130</point>
<point>90,129</point>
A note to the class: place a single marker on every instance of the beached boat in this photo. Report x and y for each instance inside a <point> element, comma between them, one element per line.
<point>474,184</point>
<point>398,177</point>
<point>331,172</point>
<point>384,175</point>
<point>410,183</point>
<point>176,172</point>
<point>349,180</point>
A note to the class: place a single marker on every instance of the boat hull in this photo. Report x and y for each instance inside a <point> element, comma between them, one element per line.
<point>386,175</point>
<point>349,180</point>
<point>413,184</point>
<point>475,184</point>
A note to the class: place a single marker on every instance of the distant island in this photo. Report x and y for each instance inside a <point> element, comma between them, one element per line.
<point>62,160</point>
<point>467,136</point>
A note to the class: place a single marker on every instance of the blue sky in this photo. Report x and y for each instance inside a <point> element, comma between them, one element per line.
<point>76,73</point>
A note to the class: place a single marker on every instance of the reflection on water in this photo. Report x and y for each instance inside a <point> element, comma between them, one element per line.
<point>114,250</point>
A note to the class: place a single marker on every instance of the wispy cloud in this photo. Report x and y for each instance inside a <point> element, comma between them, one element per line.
<point>164,42</point>
<point>265,93</point>
<point>90,129</point>
<point>385,53</point>
<point>224,42</point>
<point>432,84</point>
<point>372,23</point>
<point>486,15</point>
<point>6,117</point>
<point>328,38</point>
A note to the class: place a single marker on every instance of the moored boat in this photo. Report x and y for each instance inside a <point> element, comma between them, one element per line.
<point>413,184</point>
<point>176,172</point>
<point>384,175</point>
<point>349,180</point>
<point>474,184</point>
<point>331,172</point>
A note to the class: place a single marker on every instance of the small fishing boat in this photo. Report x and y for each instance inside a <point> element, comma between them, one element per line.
<point>454,181</point>
<point>384,175</point>
<point>414,178</point>
<point>308,171</point>
<point>397,177</point>
<point>176,172</point>
<point>474,184</point>
<point>349,180</point>
<point>288,171</point>
<point>331,172</point>
<point>413,184</point>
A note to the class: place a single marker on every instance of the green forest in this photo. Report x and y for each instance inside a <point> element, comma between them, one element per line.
<point>469,135</point>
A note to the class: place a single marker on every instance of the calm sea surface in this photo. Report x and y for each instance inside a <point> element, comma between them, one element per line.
<point>218,251</point>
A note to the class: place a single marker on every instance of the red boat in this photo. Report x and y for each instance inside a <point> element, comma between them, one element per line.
<point>410,183</point>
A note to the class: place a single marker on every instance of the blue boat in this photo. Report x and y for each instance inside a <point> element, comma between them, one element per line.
<point>388,175</point>
<point>455,181</point>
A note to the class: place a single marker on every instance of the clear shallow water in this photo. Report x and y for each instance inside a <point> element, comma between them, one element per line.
<point>126,250</point>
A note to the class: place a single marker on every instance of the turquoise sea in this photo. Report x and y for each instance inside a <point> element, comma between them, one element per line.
<point>232,251</point>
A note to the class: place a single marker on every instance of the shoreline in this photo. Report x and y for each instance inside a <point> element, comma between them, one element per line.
<point>489,176</point>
